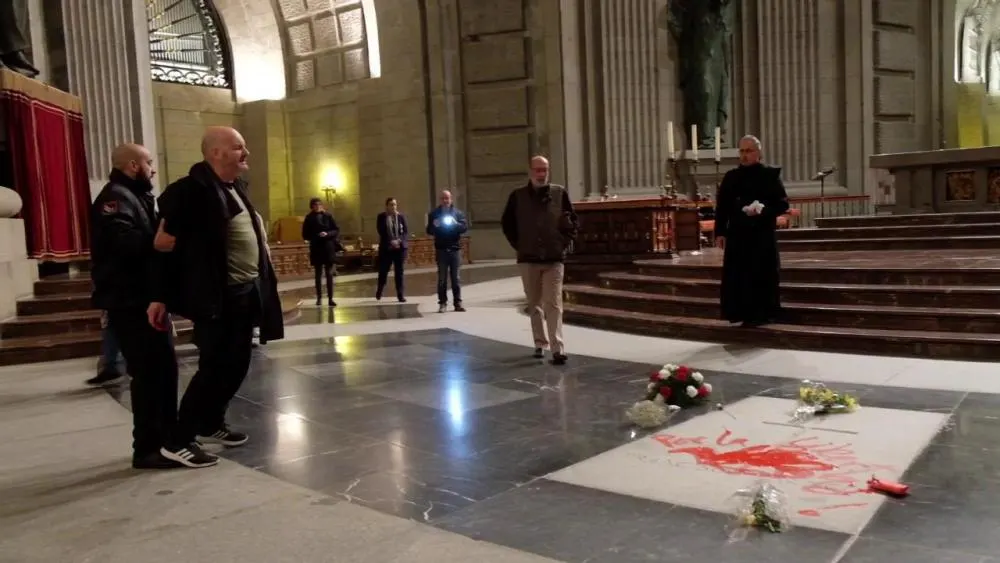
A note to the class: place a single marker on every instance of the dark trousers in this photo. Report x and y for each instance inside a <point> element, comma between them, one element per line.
<point>390,258</point>
<point>448,262</point>
<point>224,347</point>
<point>152,364</point>
<point>320,270</point>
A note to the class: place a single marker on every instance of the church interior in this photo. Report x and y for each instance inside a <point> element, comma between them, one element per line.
<point>773,441</point>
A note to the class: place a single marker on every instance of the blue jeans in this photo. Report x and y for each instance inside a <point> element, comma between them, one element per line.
<point>448,262</point>
<point>111,354</point>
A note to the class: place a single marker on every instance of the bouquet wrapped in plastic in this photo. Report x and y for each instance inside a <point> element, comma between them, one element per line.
<point>670,388</point>
<point>816,398</point>
<point>762,506</point>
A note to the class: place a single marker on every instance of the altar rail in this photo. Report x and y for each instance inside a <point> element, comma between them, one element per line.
<point>812,208</point>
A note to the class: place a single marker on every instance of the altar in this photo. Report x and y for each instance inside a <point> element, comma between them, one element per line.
<point>615,232</point>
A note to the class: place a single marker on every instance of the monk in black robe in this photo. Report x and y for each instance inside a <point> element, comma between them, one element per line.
<point>750,200</point>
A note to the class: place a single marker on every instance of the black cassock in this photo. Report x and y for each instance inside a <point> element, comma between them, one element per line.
<point>751,266</point>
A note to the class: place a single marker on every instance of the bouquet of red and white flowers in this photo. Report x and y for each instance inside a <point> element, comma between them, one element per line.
<point>678,385</point>
<point>673,385</point>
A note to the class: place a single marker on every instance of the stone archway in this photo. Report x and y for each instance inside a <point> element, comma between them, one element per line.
<point>257,50</point>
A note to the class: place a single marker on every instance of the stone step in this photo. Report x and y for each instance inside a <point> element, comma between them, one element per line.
<point>914,243</point>
<point>53,304</point>
<point>51,324</point>
<point>913,219</point>
<point>894,232</point>
<point>830,273</point>
<point>883,295</point>
<point>809,314</point>
<point>938,345</point>
<point>49,348</point>
<point>62,285</point>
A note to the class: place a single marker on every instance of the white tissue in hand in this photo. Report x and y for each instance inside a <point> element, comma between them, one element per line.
<point>755,206</point>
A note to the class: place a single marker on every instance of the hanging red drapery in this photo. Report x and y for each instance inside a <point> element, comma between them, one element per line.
<point>44,134</point>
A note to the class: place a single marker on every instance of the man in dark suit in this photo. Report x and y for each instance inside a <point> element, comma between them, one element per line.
<point>392,245</point>
<point>320,230</point>
<point>125,269</point>
<point>221,278</point>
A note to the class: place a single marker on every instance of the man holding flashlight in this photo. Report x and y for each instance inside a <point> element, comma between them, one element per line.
<point>447,225</point>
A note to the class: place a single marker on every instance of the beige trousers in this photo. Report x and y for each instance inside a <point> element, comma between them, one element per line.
<point>543,284</point>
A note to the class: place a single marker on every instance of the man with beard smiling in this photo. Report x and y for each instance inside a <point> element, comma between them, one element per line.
<point>220,277</point>
<point>125,269</point>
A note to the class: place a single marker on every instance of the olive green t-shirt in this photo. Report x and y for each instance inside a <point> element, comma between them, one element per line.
<point>243,254</point>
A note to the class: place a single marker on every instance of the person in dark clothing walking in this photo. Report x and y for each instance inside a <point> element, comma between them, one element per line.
<point>221,279</point>
<point>392,246</point>
<point>124,270</point>
<point>751,198</point>
<point>447,225</point>
<point>540,224</point>
<point>323,235</point>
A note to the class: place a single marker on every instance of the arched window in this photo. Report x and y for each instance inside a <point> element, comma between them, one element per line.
<point>187,44</point>
<point>971,39</point>
<point>331,42</point>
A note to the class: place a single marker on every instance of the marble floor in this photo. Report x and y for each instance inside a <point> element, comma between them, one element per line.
<point>389,432</point>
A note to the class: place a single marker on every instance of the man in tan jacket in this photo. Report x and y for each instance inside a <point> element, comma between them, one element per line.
<point>540,225</point>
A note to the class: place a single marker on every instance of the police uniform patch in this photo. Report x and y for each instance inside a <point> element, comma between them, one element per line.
<point>110,207</point>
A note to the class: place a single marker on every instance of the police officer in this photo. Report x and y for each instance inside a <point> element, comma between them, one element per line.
<point>125,269</point>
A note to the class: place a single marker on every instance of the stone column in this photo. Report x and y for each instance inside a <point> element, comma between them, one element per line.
<point>634,148</point>
<point>788,68</point>
<point>107,55</point>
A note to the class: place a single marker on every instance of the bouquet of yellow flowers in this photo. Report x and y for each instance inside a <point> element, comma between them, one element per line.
<point>816,398</point>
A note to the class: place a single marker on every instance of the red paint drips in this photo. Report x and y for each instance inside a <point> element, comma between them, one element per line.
<point>760,461</point>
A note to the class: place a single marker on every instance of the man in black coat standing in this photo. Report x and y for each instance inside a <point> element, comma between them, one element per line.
<point>447,225</point>
<point>750,200</point>
<point>323,235</point>
<point>221,278</point>
<point>392,245</point>
<point>124,270</point>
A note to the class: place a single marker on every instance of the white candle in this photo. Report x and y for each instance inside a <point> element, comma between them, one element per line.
<point>694,142</point>
<point>670,141</point>
<point>718,143</point>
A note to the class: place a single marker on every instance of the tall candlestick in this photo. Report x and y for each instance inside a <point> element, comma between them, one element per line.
<point>718,143</point>
<point>670,140</point>
<point>694,142</point>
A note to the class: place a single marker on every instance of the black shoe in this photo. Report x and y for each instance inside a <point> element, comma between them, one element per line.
<point>401,299</point>
<point>330,303</point>
<point>378,297</point>
<point>539,353</point>
<point>225,436</point>
<point>106,377</point>
<point>154,460</point>
<point>559,359</point>
<point>459,308</point>
<point>190,455</point>
<point>319,301</point>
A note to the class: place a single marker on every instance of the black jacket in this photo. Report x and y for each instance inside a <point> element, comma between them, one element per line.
<point>197,210</point>
<point>123,262</point>
<point>384,237</point>
<point>447,237</point>
<point>540,224</point>
<point>322,250</point>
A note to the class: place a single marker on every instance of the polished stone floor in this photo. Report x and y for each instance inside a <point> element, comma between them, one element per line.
<point>392,433</point>
<point>476,437</point>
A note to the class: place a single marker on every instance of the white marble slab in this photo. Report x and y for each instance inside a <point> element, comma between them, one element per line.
<point>822,467</point>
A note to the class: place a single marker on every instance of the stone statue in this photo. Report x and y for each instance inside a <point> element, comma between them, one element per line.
<point>703,30</point>
<point>12,40</point>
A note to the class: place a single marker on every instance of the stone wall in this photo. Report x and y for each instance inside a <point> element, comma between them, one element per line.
<point>182,114</point>
<point>17,272</point>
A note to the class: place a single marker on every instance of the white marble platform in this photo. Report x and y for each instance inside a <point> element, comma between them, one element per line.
<point>822,466</point>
